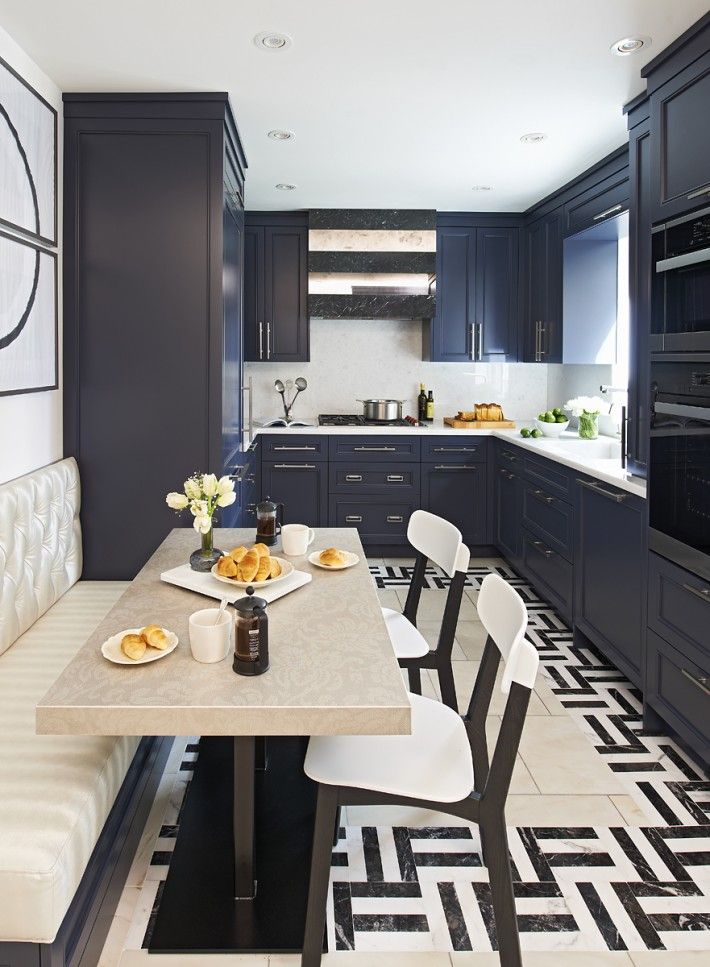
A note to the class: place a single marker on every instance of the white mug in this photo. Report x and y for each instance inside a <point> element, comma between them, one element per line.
<point>209,642</point>
<point>296,539</point>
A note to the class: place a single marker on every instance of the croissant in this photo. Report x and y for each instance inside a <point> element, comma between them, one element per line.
<point>133,647</point>
<point>331,556</point>
<point>249,566</point>
<point>275,567</point>
<point>237,553</point>
<point>264,572</point>
<point>261,549</point>
<point>227,566</point>
<point>154,636</point>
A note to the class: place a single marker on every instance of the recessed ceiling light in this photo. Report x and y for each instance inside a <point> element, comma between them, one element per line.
<point>629,45</point>
<point>535,137</point>
<point>283,186</point>
<point>481,187</point>
<point>278,135</point>
<point>272,40</point>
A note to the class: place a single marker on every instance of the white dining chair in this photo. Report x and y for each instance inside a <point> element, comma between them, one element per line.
<point>442,765</point>
<point>437,540</point>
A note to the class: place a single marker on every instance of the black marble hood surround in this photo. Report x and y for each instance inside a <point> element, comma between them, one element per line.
<point>372,263</point>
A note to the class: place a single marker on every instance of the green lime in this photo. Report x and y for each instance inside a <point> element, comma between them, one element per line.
<point>536,434</point>
<point>558,411</point>
<point>525,432</point>
<point>549,417</point>
<point>560,418</point>
<point>541,417</point>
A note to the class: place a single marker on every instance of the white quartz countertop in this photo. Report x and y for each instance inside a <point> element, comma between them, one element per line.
<point>600,458</point>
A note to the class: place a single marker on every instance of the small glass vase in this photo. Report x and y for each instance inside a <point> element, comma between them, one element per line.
<point>588,426</point>
<point>205,557</point>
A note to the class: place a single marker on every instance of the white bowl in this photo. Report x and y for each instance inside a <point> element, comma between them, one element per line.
<point>551,429</point>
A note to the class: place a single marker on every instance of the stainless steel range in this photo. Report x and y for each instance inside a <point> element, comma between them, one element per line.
<point>347,419</point>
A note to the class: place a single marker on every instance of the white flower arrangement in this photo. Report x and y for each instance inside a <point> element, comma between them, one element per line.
<point>593,405</point>
<point>203,494</point>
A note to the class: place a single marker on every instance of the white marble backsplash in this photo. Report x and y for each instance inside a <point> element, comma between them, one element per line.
<point>353,359</point>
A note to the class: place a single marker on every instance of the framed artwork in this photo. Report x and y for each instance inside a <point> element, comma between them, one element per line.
<point>28,317</point>
<point>28,158</point>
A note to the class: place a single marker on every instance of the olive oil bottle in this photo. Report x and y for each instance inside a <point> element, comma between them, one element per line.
<point>430,406</point>
<point>421,404</point>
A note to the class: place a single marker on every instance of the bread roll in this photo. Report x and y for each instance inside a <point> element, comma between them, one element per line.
<point>154,636</point>
<point>468,416</point>
<point>275,567</point>
<point>261,549</point>
<point>237,553</point>
<point>264,571</point>
<point>133,647</point>
<point>331,557</point>
<point>249,566</point>
<point>227,566</point>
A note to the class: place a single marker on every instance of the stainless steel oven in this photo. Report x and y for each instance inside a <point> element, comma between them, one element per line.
<point>680,304</point>
<point>679,463</point>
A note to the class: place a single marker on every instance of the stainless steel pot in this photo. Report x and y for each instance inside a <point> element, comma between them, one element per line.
<point>382,409</point>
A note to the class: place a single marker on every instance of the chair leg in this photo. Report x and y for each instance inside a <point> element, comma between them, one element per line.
<point>447,684</point>
<point>497,859</point>
<point>326,810</point>
<point>336,830</point>
<point>415,679</point>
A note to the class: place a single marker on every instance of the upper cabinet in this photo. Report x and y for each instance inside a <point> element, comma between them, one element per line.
<point>602,201</point>
<point>276,288</point>
<point>476,291</point>
<point>542,319</point>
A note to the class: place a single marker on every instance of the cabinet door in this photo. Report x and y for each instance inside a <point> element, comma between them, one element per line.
<point>552,316</point>
<point>507,508</point>
<point>536,288</point>
<point>232,274</point>
<point>286,294</point>
<point>610,573</point>
<point>606,199</point>
<point>254,347</point>
<point>457,492</point>
<point>301,487</point>
<point>681,142</point>
<point>496,293</point>
<point>451,330</point>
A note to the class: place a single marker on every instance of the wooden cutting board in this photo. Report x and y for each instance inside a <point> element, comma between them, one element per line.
<point>479,424</point>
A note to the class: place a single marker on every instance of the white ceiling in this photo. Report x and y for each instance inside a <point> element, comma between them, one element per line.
<point>394,103</point>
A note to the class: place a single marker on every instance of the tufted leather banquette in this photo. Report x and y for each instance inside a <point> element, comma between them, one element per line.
<point>55,792</point>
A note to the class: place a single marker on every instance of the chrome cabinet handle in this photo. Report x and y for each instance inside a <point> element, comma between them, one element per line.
<point>509,456</point>
<point>608,211</point>
<point>376,449</point>
<point>294,466</point>
<point>395,477</point>
<point>541,495</point>
<point>507,474</point>
<point>472,351</point>
<point>293,448</point>
<point>539,546</point>
<point>598,489</point>
<point>699,192</point>
<point>353,518</point>
<point>268,340</point>
<point>701,682</point>
<point>453,466</point>
<point>395,519</point>
<point>353,477</point>
<point>543,333</point>
<point>455,449</point>
<point>702,593</point>
<point>697,257</point>
<point>261,340</point>
<point>479,351</point>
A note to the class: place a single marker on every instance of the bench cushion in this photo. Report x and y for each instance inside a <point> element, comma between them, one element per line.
<point>55,792</point>
<point>40,545</point>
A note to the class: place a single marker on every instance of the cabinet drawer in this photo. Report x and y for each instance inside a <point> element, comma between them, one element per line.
<point>399,480</point>
<point>678,605</point>
<point>597,204</point>
<point>449,449</point>
<point>374,448</point>
<point>550,476</point>
<point>511,457</point>
<point>378,521</point>
<point>276,446</point>
<point>549,571</point>
<point>550,518</point>
<point>679,690</point>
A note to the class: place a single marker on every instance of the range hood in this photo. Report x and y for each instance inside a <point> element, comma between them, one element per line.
<point>371,263</point>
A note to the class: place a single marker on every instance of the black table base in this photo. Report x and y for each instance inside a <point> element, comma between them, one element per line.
<point>198,912</point>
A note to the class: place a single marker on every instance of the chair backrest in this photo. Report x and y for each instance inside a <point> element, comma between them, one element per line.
<point>504,616</point>
<point>40,545</point>
<point>439,540</point>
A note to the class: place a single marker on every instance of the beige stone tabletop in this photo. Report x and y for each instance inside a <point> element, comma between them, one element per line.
<point>332,668</point>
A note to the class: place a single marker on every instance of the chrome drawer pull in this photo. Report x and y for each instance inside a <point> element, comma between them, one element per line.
<point>702,593</point>
<point>619,498</point>
<point>541,495</point>
<point>509,456</point>
<point>353,519</point>
<point>455,449</point>
<point>395,477</point>
<point>261,340</point>
<point>293,448</point>
<point>608,211</point>
<point>539,546</point>
<point>294,466</point>
<point>702,682</point>
<point>454,466</point>
<point>699,192</point>
<point>353,477</point>
<point>394,519</point>
<point>376,449</point>
<point>507,474</point>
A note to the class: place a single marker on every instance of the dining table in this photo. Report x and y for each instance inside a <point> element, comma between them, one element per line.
<point>238,877</point>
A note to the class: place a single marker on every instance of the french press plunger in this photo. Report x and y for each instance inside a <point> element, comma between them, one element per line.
<point>268,522</point>
<point>251,638</point>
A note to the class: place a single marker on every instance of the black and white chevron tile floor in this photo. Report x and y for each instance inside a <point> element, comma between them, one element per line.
<point>609,831</point>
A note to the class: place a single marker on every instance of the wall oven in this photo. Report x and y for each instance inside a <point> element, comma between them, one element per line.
<point>679,463</point>
<point>680,310</point>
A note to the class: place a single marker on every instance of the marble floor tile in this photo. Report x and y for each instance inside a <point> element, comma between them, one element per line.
<point>142,958</point>
<point>431,606</point>
<point>120,925</point>
<point>471,637</point>
<point>398,561</point>
<point>347,958</point>
<point>464,677</point>
<point>141,860</point>
<point>551,702</point>
<point>631,812</point>
<point>431,630</point>
<point>663,958</point>
<point>389,599</point>
<point>570,810</point>
<point>553,958</point>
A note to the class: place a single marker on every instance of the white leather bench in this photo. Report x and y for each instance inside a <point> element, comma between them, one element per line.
<point>55,792</point>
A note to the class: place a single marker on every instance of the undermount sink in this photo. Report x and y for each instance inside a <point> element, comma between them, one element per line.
<point>603,448</point>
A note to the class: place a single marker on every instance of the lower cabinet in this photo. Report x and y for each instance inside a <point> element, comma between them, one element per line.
<point>610,573</point>
<point>301,487</point>
<point>508,536</point>
<point>458,493</point>
<point>379,520</point>
<point>551,574</point>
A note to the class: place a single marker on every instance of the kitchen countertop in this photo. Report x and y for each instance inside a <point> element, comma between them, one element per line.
<point>586,456</point>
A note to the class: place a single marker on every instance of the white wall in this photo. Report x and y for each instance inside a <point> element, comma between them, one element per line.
<point>31,424</point>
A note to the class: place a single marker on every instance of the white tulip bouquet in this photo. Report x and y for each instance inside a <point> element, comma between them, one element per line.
<point>203,493</point>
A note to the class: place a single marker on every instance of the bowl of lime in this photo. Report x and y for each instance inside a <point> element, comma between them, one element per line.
<point>552,423</point>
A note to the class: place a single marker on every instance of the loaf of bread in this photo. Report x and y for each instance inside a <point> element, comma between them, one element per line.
<point>490,412</point>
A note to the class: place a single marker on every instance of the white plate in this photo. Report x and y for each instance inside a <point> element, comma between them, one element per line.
<point>350,561</point>
<point>111,648</point>
<point>286,569</point>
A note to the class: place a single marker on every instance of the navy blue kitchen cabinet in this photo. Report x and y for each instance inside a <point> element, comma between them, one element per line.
<point>457,492</point>
<point>476,291</point>
<point>380,521</point>
<point>372,448</point>
<point>610,573</point>
<point>301,486</point>
<point>606,199</point>
<point>507,504</point>
<point>276,288</point>
<point>542,335</point>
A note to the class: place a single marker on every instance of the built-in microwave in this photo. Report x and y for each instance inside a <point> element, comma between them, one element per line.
<point>680,304</point>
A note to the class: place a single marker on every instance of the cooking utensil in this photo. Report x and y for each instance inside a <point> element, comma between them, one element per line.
<point>382,410</point>
<point>300,385</point>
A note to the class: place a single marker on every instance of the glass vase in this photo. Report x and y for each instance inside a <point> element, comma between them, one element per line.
<point>206,556</point>
<point>589,426</point>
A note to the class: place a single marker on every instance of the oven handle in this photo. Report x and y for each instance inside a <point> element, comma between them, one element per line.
<point>683,409</point>
<point>679,261</point>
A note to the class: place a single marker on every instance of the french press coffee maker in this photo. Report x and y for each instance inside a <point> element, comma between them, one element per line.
<point>268,523</point>
<point>251,638</point>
